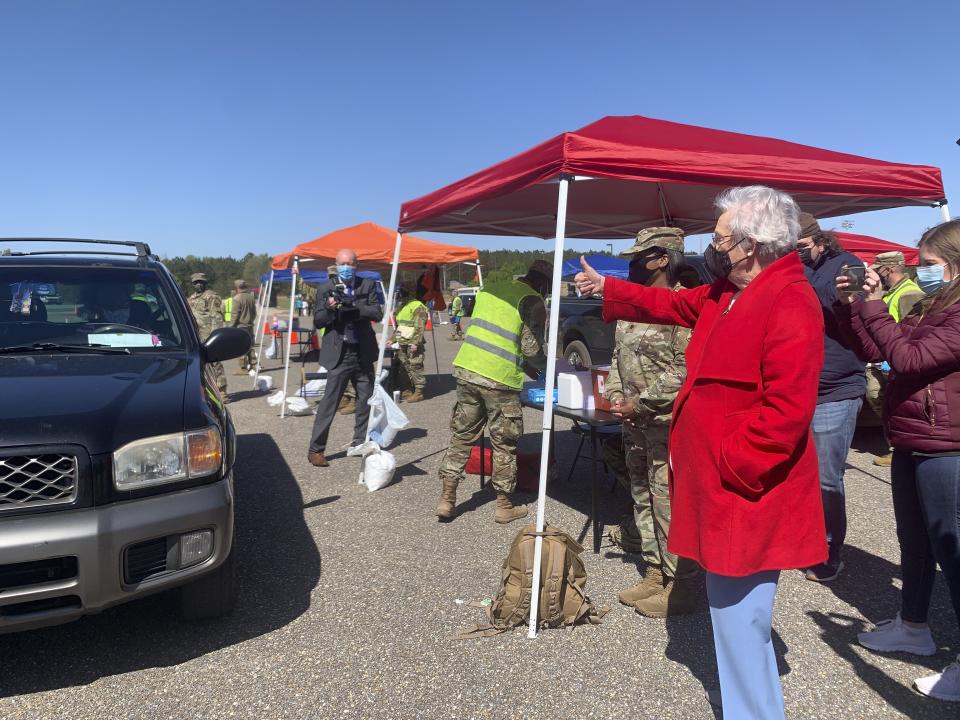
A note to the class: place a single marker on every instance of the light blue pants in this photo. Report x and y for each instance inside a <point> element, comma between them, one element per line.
<point>741,609</point>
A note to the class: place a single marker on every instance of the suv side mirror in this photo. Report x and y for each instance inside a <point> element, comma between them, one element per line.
<point>225,344</point>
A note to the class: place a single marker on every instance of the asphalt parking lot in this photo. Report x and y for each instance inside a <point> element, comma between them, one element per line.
<point>347,598</point>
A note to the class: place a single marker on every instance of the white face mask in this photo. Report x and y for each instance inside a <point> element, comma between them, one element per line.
<point>930,278</point>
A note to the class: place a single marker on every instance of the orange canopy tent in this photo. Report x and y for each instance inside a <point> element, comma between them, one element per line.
<point>375,247</point>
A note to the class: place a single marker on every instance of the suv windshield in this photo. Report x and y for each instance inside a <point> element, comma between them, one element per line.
<point>87,307</point>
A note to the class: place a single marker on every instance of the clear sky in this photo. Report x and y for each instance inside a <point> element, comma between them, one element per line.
<point>228,126</point>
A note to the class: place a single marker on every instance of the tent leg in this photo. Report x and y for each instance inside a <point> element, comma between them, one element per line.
<point>286,364</point>
<point>553,324</point>
<point>385,325</point>
<point>945,212</point>
<point>263,334</point>
<point>433,336</point>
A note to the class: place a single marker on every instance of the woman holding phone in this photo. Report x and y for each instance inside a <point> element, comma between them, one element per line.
<point>922,419</point>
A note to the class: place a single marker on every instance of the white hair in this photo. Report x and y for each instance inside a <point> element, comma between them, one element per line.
<point>766,216</point>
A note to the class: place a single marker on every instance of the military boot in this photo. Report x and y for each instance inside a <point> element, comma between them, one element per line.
<point>678,597</point>
<point>507,511</point>
<point>416,396</point>
<point>344,401</point>
<point>884,460</point>
<point>349,407</point>
<point>448,500</point>
<point>651,584</point>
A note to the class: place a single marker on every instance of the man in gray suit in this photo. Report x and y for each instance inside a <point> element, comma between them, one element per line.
<point>346,306</point>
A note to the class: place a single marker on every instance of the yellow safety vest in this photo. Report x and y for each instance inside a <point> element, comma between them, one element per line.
<point>893,298</point>
<point>405,322</point>
<point>227,307</point>
<point>492,345</point>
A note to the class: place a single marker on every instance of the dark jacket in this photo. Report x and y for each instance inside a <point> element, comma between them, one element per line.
<point>333,323</point>
<point>842,376</point>
<point>922,398</point>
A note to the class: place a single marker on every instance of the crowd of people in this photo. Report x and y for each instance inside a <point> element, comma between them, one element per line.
<point>738,400</point>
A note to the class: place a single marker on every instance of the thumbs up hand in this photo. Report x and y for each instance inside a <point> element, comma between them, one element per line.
<point>589,282</point>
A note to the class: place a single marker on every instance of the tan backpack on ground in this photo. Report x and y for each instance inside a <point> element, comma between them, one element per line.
<point>563,602</point>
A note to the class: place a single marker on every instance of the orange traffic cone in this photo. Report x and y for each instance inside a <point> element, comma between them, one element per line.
<point>429,321</point>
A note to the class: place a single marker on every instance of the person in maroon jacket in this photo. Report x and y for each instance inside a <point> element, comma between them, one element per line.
<point>744,486</point>
<point>922,418</point>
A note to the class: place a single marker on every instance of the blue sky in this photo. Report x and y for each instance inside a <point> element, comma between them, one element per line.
<point>222,127</point>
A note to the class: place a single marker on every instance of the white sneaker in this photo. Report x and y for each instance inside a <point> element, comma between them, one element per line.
<point>942,686</point>
<point>894,636</point>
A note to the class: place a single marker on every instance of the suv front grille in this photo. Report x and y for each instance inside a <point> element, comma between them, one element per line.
<point>28,481</point>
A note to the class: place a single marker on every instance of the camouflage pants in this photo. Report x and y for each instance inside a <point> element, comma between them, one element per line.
<point>642,468</point>
<point>500,412</point>
<point>249,359</point>
<point>411,375</point>
<point>216,368</point>
<point>876,382</point>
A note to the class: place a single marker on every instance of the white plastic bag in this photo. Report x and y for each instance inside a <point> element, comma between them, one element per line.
<point>271,351</point>
<point>378,470</point>
<point>276,400</point>
<point>264,383</point>
<point>297,406</point>
<point>386,419</point>
<point>313,388</point>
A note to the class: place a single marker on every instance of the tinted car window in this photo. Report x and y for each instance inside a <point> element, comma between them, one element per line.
<point>115,307</point>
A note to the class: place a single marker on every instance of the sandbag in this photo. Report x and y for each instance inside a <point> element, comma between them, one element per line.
<point>264,383</point>
<point>297,406</point>
<point>378,470</point>
<point>276,399</point>
<point>313,388</point>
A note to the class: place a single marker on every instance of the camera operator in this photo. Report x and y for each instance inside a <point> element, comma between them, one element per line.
<point>346,305</point>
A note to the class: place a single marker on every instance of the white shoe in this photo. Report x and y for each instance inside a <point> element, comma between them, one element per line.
<point>942,686</point>
<point>894,636</point>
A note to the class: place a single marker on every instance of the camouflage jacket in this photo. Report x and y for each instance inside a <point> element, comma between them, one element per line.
<point>207,308</point>
<point>648,367</point>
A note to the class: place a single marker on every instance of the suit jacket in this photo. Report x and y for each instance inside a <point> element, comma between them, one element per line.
<point>330,320</point>
<point>744,484</point>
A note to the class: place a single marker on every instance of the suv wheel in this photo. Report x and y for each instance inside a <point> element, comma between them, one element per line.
<point>577,354</point>
<point>211,596</point>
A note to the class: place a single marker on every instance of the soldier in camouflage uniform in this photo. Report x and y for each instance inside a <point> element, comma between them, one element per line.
<point>243,315</point>
<point>646,373</point>
<point>411,325</point>
<point>505,339</point>
<point>207,308</point>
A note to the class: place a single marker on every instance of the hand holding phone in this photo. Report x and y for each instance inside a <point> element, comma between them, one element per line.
<point>855,275</point>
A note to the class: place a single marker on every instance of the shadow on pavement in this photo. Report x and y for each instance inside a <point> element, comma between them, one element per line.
<point>278,566</point>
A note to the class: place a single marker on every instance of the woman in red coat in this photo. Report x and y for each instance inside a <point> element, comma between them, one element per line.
<point>744,485</point>
<point>922,419</point>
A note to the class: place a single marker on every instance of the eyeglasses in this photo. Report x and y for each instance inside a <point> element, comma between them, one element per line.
<point>718,238</point>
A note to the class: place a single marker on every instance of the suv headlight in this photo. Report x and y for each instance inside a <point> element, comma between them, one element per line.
<point>167,458</point>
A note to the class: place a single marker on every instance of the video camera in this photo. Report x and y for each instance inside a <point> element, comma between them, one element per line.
<point>344,303</point>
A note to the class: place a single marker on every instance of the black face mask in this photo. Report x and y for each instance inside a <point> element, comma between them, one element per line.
<point>639,272</point>
<point>718,261</point>
<point>805,255</point>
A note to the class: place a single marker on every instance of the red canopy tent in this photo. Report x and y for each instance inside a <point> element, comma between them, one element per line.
<point>644,172</point>
<point>638,172</point>
<point>867,248</point>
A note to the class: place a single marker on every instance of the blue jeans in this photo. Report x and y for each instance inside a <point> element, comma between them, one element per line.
<point>741,611</point>
<point>833,426</point>
<point>926,504</point>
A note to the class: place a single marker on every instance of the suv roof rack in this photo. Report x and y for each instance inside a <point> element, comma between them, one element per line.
<point>142,249</point>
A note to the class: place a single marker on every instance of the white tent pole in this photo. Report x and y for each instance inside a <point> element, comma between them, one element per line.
<point>286,364</point>
<point>385,326</point>
<point>945,212</point>
<point>256,326</point>
<point>552,324</point>
<point>479,273</point>
<point>263,333</point>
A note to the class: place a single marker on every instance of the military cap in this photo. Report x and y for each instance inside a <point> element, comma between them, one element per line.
<point>889,259</point>
<point>198,277</point>
<point>808,225</point>
<point>541,267</point>
<point>240,284</point>
<point>667,238</point>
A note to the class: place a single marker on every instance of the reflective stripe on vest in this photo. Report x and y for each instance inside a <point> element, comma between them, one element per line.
<point>893,299</point>
<point>492,345</point>
<point>227,308</point>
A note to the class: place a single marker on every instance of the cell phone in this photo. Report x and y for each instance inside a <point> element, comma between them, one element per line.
<point>855,274</point>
